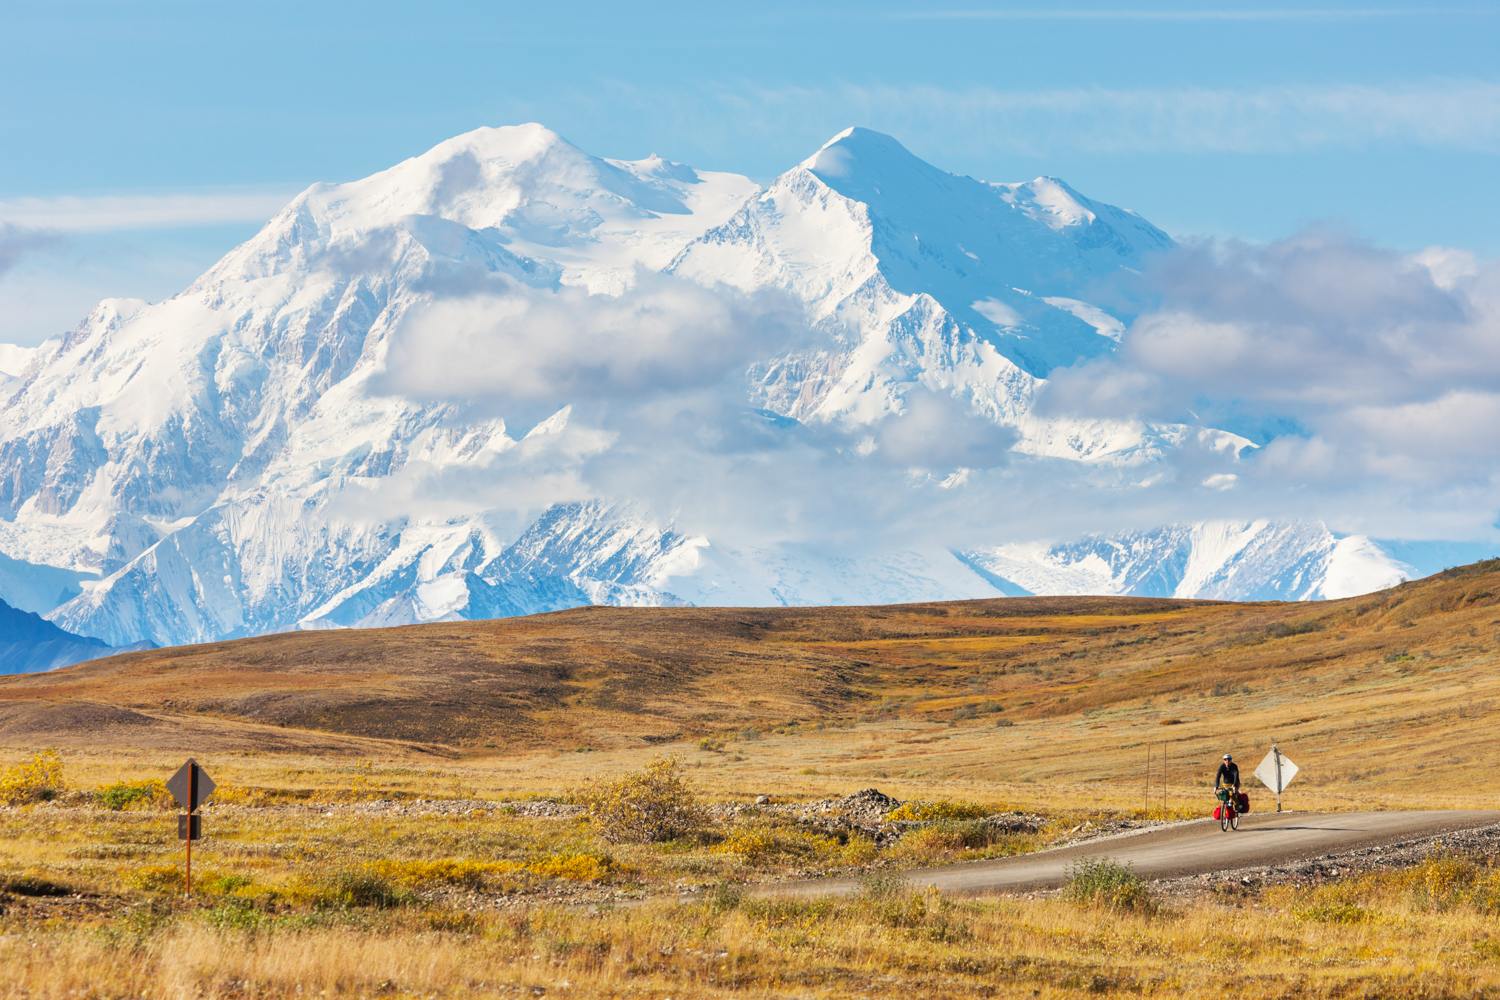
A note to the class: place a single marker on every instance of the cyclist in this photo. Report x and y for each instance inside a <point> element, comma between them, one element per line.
<point>1228,775</point>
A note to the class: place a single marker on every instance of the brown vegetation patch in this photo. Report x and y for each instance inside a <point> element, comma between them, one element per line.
<point>617,677</point>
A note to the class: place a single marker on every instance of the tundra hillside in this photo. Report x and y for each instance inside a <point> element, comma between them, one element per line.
<point>1394,686</point>
<point>425,810</point>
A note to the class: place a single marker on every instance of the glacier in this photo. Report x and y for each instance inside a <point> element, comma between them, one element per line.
<point>239,459</point>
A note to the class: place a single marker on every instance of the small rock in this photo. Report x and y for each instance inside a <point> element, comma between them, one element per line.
<point>763,800</point>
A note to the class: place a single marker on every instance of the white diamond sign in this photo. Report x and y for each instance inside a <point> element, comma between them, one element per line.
<point>1276,771</point>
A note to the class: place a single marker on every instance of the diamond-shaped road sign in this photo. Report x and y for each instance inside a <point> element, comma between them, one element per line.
<point>1276,771</point>
<point>191,785</point>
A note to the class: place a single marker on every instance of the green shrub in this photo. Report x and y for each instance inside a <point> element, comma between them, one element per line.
<point>347,888</point>
<point>138,794</point>
<point>1106,882</point>
<point>882,885</point>
<point>724,897</point>
<point>647,806</point>
<point>226,884</point>
<point>1335,913</point>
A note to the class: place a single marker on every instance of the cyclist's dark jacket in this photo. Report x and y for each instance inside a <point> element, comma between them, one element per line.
<point>1229,774</point>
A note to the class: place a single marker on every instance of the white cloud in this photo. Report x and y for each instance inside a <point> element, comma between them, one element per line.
<point>512,344</point>
<point>1372,378</point>
<point>105,212</point>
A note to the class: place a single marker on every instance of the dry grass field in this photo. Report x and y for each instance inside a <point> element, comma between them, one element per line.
<point>355,848</point>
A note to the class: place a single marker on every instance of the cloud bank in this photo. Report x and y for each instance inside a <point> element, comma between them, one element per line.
<point>1369,380</point>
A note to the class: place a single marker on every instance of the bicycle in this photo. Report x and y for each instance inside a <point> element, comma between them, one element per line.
<point>1229,814</point>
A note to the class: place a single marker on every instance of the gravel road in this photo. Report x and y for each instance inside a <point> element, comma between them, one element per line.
<point>1193,848</point>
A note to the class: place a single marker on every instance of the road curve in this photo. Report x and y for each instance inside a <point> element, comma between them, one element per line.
<point>1193,848</point>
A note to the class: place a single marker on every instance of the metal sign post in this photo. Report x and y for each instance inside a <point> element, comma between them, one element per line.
<point>190,786</point>
<point>1276,772</point>
<point>1277,754</point>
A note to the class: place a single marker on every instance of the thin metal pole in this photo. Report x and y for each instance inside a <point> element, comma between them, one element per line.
<point>1148,780</point>
<point>1163,779</point>
<point>187,889</point>
<point>1277,754</point>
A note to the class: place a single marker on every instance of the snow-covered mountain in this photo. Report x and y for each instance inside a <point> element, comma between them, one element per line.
<point>1234,561</point>
<point>242,458</point>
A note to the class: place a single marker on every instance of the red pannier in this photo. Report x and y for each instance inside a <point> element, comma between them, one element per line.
<point>1241,802</point>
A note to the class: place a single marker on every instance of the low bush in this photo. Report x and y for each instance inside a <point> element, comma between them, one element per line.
<point>446,871</point>
<point>151,794</point>
<point>1335,913</point>
<point>924,811</point>
<point>1440,883</point>
<point>647,806</point>
<point>882,885</point>
<point>1106,882</point>
<point>225,885</point>
<point>763,845</point>
<point>1448,881</point>
<point>575,867</point>
<point>165,878</point>
<point>953,840</point>
<point>350,888</point>
<point>38,780</point>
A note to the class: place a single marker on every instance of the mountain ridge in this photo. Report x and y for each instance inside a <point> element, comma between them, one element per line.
<point>241,458</point>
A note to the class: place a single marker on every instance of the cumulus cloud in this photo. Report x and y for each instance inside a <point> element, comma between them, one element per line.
<point>1369,379</point>
<point>514,344</point>
<point>937,431</point>
<point>1369,376</point>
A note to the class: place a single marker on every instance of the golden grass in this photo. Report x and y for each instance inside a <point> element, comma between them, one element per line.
<point>887,943</point>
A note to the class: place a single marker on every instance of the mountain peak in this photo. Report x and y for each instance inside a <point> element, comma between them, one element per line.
<point>872,167</point>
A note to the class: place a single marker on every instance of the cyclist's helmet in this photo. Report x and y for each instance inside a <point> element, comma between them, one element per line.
<point>1228,757</point>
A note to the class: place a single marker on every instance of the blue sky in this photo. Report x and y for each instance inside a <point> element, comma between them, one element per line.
<point>141,141</point>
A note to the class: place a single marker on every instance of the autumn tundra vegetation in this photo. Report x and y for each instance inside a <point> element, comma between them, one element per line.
<point>621,787</point>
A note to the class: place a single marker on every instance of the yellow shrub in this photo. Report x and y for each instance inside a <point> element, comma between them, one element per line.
<point>1442,882</point>
<point>37,780</point>
<point>642,807</point>
<point>758,845</point>
<point>415,874</point>
<point>938,843</point>
<point>575,867</point>
<point>928,811</point>
<point>238,795</point>
<point>160,878</point>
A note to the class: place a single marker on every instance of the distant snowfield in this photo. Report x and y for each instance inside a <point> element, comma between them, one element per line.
<point>462,387</point>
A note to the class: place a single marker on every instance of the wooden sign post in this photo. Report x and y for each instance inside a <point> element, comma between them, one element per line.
<point>190,786</point>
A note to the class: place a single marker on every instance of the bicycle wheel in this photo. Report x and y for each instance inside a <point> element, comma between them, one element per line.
<point>1234,819</point>
<point>1224,819</point>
